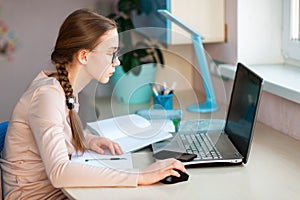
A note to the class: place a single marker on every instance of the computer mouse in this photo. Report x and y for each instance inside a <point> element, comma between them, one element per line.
<point>173,179</point>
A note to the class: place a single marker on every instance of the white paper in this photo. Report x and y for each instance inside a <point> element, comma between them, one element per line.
<point>132,132</point>
<point>123,161</point>
<point>121,126</point>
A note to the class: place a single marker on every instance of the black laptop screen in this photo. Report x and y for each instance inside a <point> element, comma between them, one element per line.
<point>243,107</point>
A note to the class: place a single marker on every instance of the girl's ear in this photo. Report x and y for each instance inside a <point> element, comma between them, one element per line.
<point>82,56</point>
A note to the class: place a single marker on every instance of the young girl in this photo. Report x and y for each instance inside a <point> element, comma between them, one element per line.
<point>45,129</point>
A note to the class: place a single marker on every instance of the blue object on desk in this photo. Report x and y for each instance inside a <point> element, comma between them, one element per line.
<point>163,101</point>
<point>210,105</point>
<point>160,114</point>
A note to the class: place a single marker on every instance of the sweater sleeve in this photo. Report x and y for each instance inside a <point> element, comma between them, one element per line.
<point>46,118</point>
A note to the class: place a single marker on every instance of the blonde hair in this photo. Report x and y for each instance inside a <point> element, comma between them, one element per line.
<point>80,30</point>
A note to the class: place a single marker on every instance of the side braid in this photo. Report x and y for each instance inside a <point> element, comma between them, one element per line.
<point>76,125</point>
<point>80,30</point>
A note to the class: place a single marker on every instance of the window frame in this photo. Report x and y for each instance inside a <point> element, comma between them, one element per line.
<point>290,48</point>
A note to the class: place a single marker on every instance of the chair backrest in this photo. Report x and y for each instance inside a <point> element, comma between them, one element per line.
<point>3,129</point>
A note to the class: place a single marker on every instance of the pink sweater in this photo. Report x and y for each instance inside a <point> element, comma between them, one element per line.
<point>38,143</point>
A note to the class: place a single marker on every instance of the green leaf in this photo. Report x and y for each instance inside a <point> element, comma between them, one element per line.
<point>144,51</point>
<point>130,61</point>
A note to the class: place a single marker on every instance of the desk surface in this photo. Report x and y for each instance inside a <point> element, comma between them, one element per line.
<point>273,172</point>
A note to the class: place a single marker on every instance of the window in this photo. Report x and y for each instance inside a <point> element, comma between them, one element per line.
<point>291,30</point>
<point>294,19</point>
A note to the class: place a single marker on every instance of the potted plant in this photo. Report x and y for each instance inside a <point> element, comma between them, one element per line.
<point>139,54</point>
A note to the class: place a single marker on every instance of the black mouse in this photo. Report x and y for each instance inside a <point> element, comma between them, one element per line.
<point>173,179</point>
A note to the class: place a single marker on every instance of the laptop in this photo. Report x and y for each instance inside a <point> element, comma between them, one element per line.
<point>228,145</point>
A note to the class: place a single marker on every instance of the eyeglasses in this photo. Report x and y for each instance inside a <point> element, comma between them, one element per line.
<point>115,55</point>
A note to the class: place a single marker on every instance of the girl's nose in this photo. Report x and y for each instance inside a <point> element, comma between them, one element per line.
<point>116,62</point>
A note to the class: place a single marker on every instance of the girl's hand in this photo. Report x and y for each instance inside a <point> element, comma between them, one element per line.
<point>99,144</point>
<point>160,170</point>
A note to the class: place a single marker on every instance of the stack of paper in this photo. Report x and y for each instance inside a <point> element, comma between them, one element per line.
<point>133,132</point>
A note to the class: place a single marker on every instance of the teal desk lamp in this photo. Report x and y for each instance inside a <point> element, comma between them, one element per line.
<point>210,104</point>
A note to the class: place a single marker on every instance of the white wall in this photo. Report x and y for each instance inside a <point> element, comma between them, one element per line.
<point>254,33</point>
<point>35,24</point>
<point>259,31</point>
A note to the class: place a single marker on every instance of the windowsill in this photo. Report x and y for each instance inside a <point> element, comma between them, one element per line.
<point>279,79</point>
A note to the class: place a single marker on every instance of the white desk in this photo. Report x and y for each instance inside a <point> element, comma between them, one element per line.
<point>273,172</point>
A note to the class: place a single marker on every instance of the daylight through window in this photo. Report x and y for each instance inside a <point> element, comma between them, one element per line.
<point>295,26</point>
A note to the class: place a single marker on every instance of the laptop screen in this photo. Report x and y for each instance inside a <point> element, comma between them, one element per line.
<point>242,109</point>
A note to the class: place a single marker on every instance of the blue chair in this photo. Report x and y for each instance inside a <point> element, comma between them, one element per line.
<point>3,129</point>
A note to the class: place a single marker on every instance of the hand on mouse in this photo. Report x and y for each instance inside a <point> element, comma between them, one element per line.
<point>160,170</point>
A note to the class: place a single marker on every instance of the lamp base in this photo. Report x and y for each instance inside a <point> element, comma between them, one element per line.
<point>204,107</point>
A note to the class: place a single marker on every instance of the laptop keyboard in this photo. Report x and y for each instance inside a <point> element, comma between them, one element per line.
<point>201,145</point>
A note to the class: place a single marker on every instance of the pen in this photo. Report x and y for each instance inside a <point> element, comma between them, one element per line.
<point>86,160</point>
<point>163,89</point>
<point>172,88</point>
<point>167,91</point>
<point>154,91</point>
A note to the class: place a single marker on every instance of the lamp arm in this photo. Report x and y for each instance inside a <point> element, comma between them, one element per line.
<point>203,66</point>
<point>210,104</point>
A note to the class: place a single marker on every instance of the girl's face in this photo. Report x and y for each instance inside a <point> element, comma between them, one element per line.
<point>102,60</point>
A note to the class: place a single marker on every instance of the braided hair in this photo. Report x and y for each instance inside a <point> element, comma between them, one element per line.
<point>80,30</point>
